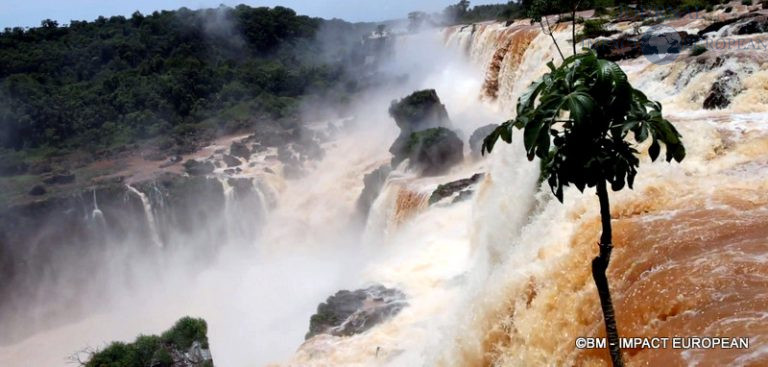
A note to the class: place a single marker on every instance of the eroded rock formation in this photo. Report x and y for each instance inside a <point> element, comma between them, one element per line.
<point>352,312</point>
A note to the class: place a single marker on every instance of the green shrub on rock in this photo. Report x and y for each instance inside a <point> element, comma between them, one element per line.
<point>185,344</point>
<point>420,110</point>
<point>433,151</point>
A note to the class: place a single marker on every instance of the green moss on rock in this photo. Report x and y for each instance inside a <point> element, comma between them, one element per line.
<point>433,151</point>
<point>420,110</point>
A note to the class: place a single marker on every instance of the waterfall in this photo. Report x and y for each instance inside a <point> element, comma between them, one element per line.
<point>503,278</point>
<point>515,289</point>
<point>149,214</point>
<point>263,203</point>
<point>530,292</point>
<point>96,214</point>
<point>229,218</point>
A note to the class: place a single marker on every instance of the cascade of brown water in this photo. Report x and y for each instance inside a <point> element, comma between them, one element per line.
<point>691,244</point>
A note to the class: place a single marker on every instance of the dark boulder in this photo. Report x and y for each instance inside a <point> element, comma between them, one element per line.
<point>353,312</point>
<point>423,137</point>
<point>432,151</point>
<point>756,24</point>
<point>476,140</point>
<point>716,26</point>
<point>38,190</point>
<point>59,178</point>
<point>418,111</point>
<point>373,181</point>
<point>722,91</point>
<point>198,168</point>
<point>449,189</point>
<point>231,161</point>
<point>238,149</point>
<point>624,47</point>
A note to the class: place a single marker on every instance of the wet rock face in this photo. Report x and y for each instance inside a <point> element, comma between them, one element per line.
<point>69,234</point>
<point>238,149</point>
<point>373,181</point>
<point>353,312</point>
<point>722,91</point>
<point>432,151</point>
<point>62,235</point>
<point>716,26</point>
<point>230,161</point>
<point>477,137</point>
<point>418,111</point>
<point>462,187</point>
<point>753,25</point>
<point>198,168</point>
<point>424,138</point>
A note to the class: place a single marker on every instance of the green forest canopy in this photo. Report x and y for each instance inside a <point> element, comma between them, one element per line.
<point>118,80</point>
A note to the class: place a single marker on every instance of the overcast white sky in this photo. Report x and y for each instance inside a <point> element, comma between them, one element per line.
<point>31,12</point>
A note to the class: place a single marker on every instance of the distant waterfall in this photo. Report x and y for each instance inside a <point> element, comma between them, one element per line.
<point>97,215</point>
<point>257,188</point>
<point>153,232</point>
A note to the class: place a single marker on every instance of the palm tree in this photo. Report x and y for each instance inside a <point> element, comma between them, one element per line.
<point>577,119</point>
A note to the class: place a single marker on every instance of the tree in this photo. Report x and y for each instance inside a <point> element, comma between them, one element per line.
<point>91,85</point>
<point>415,20</point>
<point>456,12</point>
<point>48,23</point>
<point>538,11</point>
<point>577,119</point>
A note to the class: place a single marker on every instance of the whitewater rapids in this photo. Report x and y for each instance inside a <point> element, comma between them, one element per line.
<point>507,276</point>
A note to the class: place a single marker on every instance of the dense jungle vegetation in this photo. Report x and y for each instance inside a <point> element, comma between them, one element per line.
<point>108,83</point>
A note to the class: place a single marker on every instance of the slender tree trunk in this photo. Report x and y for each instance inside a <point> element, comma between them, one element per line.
<point>549,28</point>
<point>599,266</point>
<point>573,26</point>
